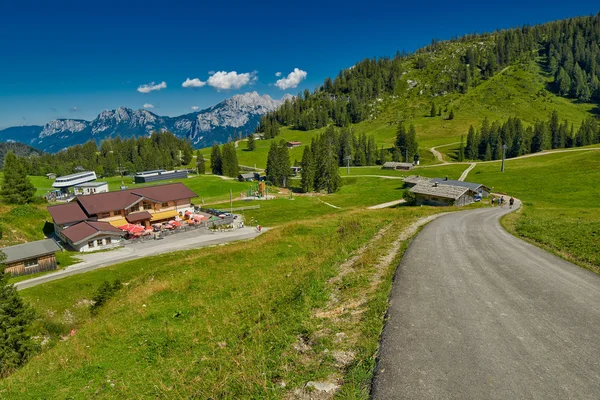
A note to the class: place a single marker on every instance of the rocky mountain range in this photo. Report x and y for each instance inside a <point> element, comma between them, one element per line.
<point>240,113</point>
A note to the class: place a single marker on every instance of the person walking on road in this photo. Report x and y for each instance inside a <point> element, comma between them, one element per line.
<point>493,201</point>
<point>501,201</point>
<point>511,202</point>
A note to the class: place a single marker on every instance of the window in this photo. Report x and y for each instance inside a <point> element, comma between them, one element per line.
<point>103,215</point>
<point>91,243</point>
<point>118,212</point>
<point>165,204</point>
<point>31,263</point>
<point>147,205</point>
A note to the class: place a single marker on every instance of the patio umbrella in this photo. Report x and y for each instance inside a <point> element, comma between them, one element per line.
<point>175,223</point>
<point>199,217</point>
<point>188,213</point>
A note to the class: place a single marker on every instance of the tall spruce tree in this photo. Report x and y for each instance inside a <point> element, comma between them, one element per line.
<point>229,161</point>
<point>200,163</point>
<point>461,149</point>
<point>251,144</point>
<point>16,317</point>
<point>471,150</point>
<point>308,171</point>
<point>216,161</point>
<point>16,186</point>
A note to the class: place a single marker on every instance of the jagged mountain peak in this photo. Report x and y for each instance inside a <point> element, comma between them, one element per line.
<point>239,113</point>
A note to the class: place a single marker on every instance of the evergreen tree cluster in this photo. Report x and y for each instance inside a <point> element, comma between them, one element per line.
<point>321,161</point>
<point>573,54</point>
<point>161,150</point>
<point>16,185</point>
<point>406,145</point>
<point>486,144</point>
<point>223,160</point>
<point>278,164</point>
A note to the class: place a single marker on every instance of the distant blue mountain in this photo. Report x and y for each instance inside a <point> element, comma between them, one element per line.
<point>240,113</point>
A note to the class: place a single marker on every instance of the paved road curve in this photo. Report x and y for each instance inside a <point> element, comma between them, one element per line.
<point>479,314</point>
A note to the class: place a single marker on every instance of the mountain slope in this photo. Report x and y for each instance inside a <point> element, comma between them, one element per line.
<point>238,114</point>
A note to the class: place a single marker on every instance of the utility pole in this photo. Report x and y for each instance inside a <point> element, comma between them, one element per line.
<point>504,147</point>
<point>348,164</point>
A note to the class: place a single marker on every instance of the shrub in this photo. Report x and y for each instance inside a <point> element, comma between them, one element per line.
<point>103,294</point>
<point>409,197</point>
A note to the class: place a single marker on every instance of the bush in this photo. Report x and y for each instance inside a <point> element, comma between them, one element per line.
<point>409,197</point>
<point>103,294</point>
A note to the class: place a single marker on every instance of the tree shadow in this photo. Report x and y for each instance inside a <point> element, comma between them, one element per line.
<point>48,229</point>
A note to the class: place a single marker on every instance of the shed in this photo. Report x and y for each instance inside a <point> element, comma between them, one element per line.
<point>397,165</point>
<point>32,257</point>
<point>435,194</point>
<point>248,177</point>
<point>293,143</point>
<point>51,175</point>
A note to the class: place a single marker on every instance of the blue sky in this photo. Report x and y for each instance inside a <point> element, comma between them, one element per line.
<point>73,59</point>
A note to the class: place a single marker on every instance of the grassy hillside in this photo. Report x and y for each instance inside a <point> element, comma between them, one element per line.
<point>179,329</point>
<point>520,90</point>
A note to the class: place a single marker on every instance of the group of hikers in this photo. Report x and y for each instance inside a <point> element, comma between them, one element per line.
<point>499,201</point>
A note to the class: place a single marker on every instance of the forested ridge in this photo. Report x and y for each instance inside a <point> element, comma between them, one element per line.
<point>568,49</point>
<point>161,150</point>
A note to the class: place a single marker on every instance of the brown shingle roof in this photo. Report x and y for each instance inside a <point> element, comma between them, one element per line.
<point>86,229</point>
<point>68,213</point>
<point>138,216</point>
<point>104,202</point>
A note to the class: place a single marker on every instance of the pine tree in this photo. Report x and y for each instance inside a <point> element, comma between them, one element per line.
<point>461,149</point>
<point>432,112</point>
<point>251,145</point>
<point>283,163</point>
<point>229,161</point>
<point>200,163</point>
<point>216,161</point>
<point>16,317</point>
<point>308,171</point>
<point>451,115</point>
<point>471,151</point>
<point>16,186</point>
<point>272,168</point>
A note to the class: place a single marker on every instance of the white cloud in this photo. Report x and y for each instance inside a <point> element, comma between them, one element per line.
<point>293,79</point>
<point>277,74</point>
<point>195,108</point>
<point>223,80</point>
<point>148,105</point>
<point>151,86</point>
<point>193,83</point>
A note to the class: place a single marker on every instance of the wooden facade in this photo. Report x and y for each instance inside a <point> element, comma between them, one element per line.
<point>31,266</point>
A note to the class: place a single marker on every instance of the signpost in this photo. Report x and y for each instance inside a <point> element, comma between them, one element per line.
<point>504,147</point>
